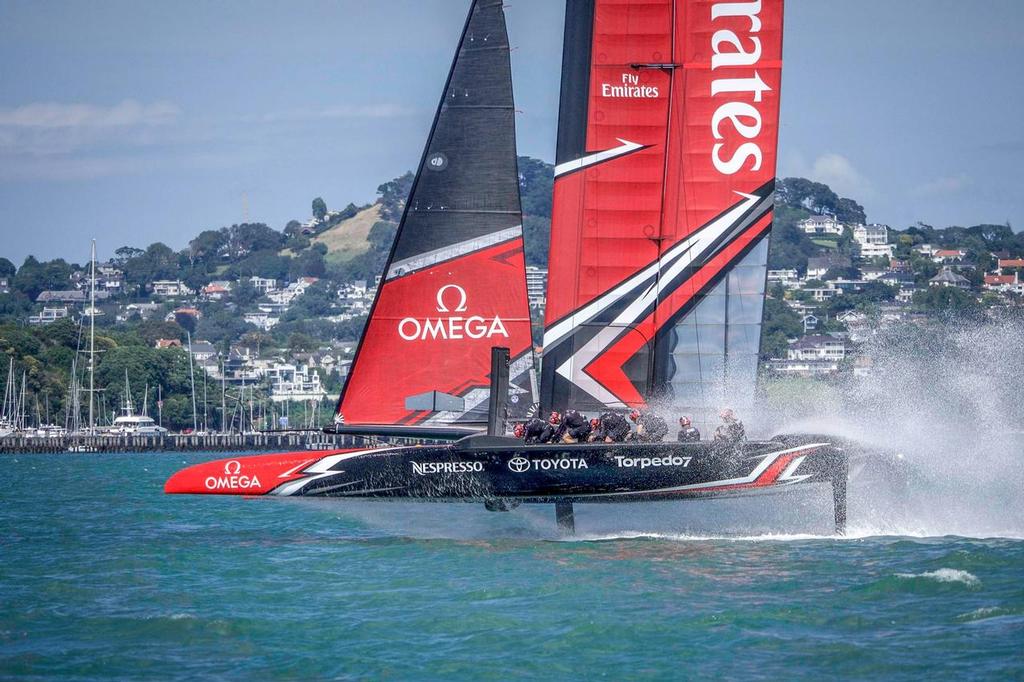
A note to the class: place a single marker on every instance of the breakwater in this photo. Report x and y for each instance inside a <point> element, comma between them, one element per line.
<point>211,442</point>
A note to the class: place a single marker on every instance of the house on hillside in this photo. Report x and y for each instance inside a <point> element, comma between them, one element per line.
<point>141,310</point>
<point>216,291</point>
<point>64,296</point>
<point>48,315</point>
<point>203,351</point>
<point>167,343</point>
<point>290,382</point>
<point>788,278</point>
<point>263,284</point>
<point>948,255</point>
<point>817,347</point>
<point>804,368</point>
<point>821,225</point>
<point>1005,283</point>
<point>191,312</point>
<point>948,278</point>
<point>1009,264</point>
<point>817,266</point>
<point>537,287</point>
<point>169,288</point>
<point>262,319</point>
<point>873,240</point>
<point>5,285</point>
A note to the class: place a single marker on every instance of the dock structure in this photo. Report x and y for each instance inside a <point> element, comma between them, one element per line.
<point>206,442</point>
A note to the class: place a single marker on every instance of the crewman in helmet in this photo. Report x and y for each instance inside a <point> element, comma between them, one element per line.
<point>575,428</point>
<point>610,428</point>
<point>534,431</point>
<point>731,429</point>
<point>688,433</point>
<point>650,428</point>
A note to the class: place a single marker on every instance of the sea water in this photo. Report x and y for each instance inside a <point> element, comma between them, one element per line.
<point>102,575</point>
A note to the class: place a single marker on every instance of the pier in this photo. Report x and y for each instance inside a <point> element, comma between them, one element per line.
<point>208,442</point>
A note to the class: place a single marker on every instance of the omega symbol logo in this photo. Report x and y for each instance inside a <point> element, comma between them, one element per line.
<point>460,295</point>
<point>233,467</point>
<point>519,464</point>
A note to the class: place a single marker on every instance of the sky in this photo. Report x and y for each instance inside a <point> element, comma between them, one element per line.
<point>138,122</point>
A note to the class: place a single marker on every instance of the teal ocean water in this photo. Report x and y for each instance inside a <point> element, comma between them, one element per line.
<point>101,575</point>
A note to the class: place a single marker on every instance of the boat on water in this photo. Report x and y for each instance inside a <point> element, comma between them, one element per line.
<point>663,200</point>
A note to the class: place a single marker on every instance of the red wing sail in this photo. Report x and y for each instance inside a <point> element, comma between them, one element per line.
<point>455,283</point>
<point>663,196</point>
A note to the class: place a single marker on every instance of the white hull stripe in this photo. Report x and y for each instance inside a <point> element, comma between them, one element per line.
<point>768,460</point>
<point>319,469</point>
<point>599,157</point>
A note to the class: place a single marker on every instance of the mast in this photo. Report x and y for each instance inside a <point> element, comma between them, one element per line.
<point>92,335</point>
<point>192,381</point>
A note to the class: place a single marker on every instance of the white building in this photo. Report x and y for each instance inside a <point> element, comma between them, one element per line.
<point>48,316</point>
<point>790,279</point>
<point>817,347</point>
<point>873,240</point>
<point>262,320</point>
<point>170,288</point>
<point>804,368</point>
<point>263,284</point>
<point>821,224</point>
<point>536,286</point>
<point>288,382</point>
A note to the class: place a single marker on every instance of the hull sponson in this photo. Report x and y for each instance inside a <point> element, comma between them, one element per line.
<point>455,280</point>
<point>670,188</point>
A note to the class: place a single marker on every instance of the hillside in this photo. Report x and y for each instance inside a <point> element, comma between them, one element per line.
<point>348,239</point>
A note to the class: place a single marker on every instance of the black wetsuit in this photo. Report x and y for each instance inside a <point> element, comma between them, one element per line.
<point>650,428</point>
<point>537,431</point>
<point>731,432</point>
<point>574,425</point>
<point>613,426</point>
<point>654,428</point>
<point>688,434</point>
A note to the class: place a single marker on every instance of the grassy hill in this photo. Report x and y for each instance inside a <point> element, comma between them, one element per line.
<point>348,239</point>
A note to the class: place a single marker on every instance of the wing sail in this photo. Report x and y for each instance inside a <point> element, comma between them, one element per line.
<point>663,198</point>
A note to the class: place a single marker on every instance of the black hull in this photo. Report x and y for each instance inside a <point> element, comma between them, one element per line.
<point>486,469</point>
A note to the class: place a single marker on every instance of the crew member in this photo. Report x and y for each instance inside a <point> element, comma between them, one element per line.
<point>613,428</point>
<point>731,429</point>
<point>650,428</point>
<point>688,433</point>
<point>574,428</point>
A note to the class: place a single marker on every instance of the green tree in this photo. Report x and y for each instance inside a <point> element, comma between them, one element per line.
<point>7,268</point>
<point>393,195</point>
<point>319,208</point>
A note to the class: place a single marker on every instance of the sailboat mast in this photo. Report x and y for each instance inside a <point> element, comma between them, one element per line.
<point>192,380</point>
<point>92,334</point>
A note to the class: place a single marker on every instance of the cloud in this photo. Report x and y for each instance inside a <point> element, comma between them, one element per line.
<point>943,186</point>
<point>47,140</point>
<point>341,111</point>
<point>127,113</point>
<point>836,171</point>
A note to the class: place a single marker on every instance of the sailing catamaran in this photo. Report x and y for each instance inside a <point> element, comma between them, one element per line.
<point>662,206</point>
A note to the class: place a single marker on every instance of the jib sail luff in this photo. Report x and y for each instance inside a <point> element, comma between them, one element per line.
<point>662,203</point>
<point>455,280</point>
